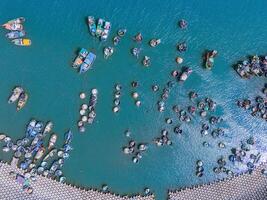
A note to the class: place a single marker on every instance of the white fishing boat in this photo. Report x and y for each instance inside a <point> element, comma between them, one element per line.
<point>39,154</point>
<point>48,127</point>
<point>15,94</point>
<point>52,141</point>
<point>18,20</point>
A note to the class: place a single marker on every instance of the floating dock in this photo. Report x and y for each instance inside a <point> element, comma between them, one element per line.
<point>245,186</point>
<point>241,187</point>
<point>48,189</point>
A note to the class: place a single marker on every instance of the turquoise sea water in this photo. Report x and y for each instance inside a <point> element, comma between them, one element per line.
<point>58,29</point>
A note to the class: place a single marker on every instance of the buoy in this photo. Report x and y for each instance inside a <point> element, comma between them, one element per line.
<point>116,109</point>
<point>179,60</point>
<point>135,95</point>
<point>84,106</point>
<point>82,112</point>
<point>94,91</point>
<point>84,118</point>
<point>82,95</point>
<point>138,103</point>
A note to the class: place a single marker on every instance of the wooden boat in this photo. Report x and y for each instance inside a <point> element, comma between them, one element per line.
<point>52,141</point>
<point>15,94</point>
<point>108,51</point>
<point>13,27</point>
<point>91,25</point>
<point>15,34</point>
<point>210,59</point>
<point>154,42</point>
<point>105,33</point>
<point>39,154</point>
<point>184,76</point>
<point>116,40</point>
<point>22,100</point>
<point>22,42</point>
<point>88,62</point>
<point>48,128</point>
<point>121,32</point>
<point>99,27</point>
<point>146,61</point>
<point>18,20</point>
<point>80,58</point>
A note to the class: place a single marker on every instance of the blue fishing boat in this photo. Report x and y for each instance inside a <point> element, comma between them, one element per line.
<point>80,58</point>
<point>68,137</point>
<point>91,25</point>
<point>15,34</point>
<point>88,62</point>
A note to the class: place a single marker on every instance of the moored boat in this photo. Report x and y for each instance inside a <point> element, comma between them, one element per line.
<point>146,61</point>
<point>52,141</point>
<point>13,27</point>
<point>92,25</point>
<point>48,127</point>
<point>116,40</point>
<point>105,33</point>
<point>39,154</point>
<point>184,76</point>
<point>80,58</point>
<point>136,52</point>
<point>15,34</point>
<point>68,137</point>
<point>108,51</point>
<point>18,20</point>
<point>88,62</point>
<point>154,42</point>
<point>99,27</point>
<point>22,100</point>
<point>15,94</point>
<point>22,42</point>
<point>210,59</point>
<point>121,32</point>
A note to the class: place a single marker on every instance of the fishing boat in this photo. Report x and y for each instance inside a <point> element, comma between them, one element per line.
<point>15,34</point>
<point>184,76</point>
<point>22,42</point>
<point>138,37</point>
<point>50,154</point>
<point>18,20</point>
<point>116,40</point>
<point>146,61</point>
<point>136,52</point>
<point>68,137</point>
<point>242,72</point>
<point>88,62</point>
<point>91,25</point>
<point>15,94</point>
<point>154,42</point>
<point>105,33</point>
<point>108,51</point>
<point>121,32</point>
<point>30,128</point>
<point>23,98</point>
<point>52,141</point>
<point>39,154</point>
<point>13,27</point>
<point>99,27</point>
<point>48,127</point>
<point>38,127</point>
<point>183,24</point>
<point>210,55</point>
<point>80,58</point>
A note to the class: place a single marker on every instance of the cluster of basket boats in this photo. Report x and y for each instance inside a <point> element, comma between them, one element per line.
<point>32,155</point>
<point>17,32</point>
<point>255,66</point>
<point>19,95</point>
